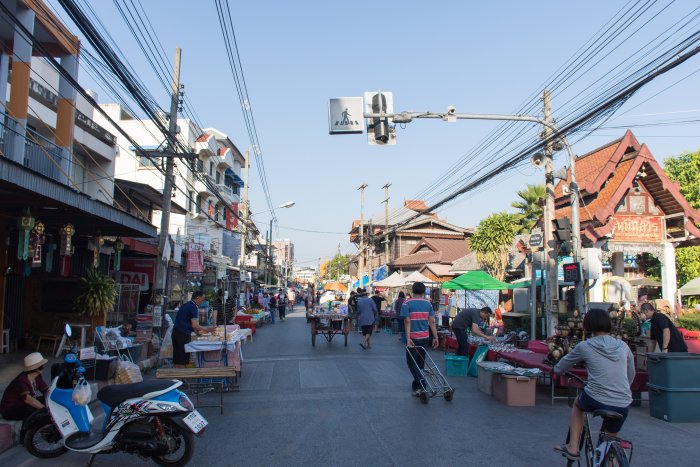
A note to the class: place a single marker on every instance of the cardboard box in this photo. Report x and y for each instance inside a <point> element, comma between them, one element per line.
<point>518,391</point>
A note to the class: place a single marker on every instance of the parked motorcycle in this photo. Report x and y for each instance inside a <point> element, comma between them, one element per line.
<point>152,419</point>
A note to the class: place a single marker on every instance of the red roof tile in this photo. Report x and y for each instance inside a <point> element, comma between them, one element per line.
<point>441,250</point>
<point>222,151</point>
<point>202,138</point>
<point>415,204</point>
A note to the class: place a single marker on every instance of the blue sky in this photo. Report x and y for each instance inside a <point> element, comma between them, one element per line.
<point>481,57</point>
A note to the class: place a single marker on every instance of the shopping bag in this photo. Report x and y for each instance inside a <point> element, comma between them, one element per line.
<point>479,356</point>
<point>82,393</point>
<point>127,373</point>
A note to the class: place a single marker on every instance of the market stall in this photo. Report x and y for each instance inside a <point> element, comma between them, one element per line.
<point>219,348</point>
<point>328,324</point>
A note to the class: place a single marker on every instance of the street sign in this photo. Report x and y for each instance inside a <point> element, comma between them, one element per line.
<point>345,115</point>
<point>535,240</point>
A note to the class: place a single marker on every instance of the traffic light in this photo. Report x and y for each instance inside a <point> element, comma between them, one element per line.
<point>379,130</point>
<point>562,232</point>
<point>381,126</point>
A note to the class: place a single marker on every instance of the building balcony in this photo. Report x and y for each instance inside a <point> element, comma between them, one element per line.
<point>40,154</point>
<point>228,194</point>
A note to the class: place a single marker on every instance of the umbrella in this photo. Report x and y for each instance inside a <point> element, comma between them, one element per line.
<point>475,280</point>
<point>691,288</point>
<point>337,286</point>
<point>644,282</point>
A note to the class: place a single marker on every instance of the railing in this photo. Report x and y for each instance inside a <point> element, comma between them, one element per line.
<point>40,154</point>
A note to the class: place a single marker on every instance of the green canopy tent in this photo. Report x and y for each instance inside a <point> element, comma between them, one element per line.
<point>475,280</point>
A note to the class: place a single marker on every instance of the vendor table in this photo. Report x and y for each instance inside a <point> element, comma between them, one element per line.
<point>534,358</point>
<point>219,353</point>
<point>328,325</point>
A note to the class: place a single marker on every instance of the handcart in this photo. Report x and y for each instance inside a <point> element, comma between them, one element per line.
<point>434,383</point>
<point>328,325</point>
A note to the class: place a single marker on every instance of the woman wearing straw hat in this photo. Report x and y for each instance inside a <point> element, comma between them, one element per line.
<point>25,393</point>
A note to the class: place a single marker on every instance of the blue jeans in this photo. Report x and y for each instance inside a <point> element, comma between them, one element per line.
<point>272,314</point>
<point>415,358</point>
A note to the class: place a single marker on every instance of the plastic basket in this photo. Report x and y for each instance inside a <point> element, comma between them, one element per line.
<point>456,365</point>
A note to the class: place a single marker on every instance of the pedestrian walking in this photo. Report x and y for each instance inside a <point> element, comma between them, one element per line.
<point>282,304</point>
<point>291,299</point>
<point>352,309</point>
<point>396,308</point>
<point>378,299</point>
<point>419,323</point>
<point>366,317</point>
<point>272,303</point>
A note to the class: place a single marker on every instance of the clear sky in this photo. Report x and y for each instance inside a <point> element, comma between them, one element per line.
<point>481,57</point>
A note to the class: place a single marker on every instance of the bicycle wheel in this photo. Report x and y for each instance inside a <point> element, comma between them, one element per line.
<point>615,457</point>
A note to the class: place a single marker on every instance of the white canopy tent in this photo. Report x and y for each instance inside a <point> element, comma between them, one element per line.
<point>394,280</point>
<point>415,276</point>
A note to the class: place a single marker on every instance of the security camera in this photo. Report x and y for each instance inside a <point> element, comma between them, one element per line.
<point>451,110</point>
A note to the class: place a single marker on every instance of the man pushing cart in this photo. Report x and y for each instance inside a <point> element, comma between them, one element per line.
<point>419,322</point>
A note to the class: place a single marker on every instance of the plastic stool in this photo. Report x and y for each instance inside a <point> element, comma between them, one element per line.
<point>5,341</point>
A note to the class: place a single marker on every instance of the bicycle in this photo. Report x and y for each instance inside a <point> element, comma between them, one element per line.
<point>610,451</point>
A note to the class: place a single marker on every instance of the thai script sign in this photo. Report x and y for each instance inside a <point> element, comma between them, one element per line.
<point>648,229</point>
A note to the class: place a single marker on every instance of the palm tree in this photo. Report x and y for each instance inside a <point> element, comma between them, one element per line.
<point>528,206</point>
<point>492,241</point>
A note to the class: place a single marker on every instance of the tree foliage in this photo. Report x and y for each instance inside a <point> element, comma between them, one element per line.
<point>337,267</point>
<point>492,240</point>
<point>687,264</point>
<point>685,169</point>
<point>528,206</point>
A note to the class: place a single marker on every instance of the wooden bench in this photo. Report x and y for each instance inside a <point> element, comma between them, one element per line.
<point>196,388</point>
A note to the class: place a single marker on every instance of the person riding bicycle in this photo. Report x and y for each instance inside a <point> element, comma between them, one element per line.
<point>610,366</point>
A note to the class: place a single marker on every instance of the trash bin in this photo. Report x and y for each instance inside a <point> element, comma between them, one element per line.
<point>674,404</point>
<point>673,369</point>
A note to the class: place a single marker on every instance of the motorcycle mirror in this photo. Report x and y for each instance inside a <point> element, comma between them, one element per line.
<point>68,330</point>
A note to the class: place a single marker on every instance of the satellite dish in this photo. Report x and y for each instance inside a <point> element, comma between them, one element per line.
<point>537,160</point>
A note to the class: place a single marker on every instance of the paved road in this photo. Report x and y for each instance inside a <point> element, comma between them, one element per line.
<point>345,406</point>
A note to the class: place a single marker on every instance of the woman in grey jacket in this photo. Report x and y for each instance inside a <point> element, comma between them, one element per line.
<point>610,366</point>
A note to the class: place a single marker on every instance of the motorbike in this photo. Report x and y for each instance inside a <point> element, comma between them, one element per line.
<point>152,419</point>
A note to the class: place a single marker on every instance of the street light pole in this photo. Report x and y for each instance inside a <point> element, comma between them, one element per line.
<point>551,133</point>
<point>361,265</point>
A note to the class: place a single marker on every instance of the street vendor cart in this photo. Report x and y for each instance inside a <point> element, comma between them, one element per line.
<point>328,324</point>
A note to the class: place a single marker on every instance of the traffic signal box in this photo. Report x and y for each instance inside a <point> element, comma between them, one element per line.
<point>562,232</point>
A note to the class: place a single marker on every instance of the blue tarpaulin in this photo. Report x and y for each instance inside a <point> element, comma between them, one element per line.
<point>365,281</point>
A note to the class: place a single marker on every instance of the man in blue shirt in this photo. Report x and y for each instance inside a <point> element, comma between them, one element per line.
<point>186,321</point>
<point>419,322</point>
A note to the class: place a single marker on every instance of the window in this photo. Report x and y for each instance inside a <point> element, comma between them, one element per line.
<point>200,165</point>
<point>198,204</point>
<point>190,202</point>
<point>216,212</point>
<point>211,169</point>
<point>218,178</point>
<point>147,163</point>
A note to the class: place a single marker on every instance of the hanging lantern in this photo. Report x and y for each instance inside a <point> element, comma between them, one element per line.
<point>67,232</point>
<point>118,248</point>
<point>97,242</point>
<point>25,224</point>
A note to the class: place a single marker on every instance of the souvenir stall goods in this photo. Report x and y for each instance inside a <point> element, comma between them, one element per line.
<point>219,348</point>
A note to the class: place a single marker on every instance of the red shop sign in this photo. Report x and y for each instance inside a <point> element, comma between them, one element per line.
<point>649,229</point>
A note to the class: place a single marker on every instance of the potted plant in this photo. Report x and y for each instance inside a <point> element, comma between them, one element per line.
<point>98,296</point>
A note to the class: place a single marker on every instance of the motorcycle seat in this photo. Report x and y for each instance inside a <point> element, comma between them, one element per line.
<point>117,393</point>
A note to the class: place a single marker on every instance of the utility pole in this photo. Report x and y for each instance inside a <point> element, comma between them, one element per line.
<point>386,225</point>
<point>162,269</point>
<point>552,291</point>
<point>361,265</point>
<point>268,261</point>
<point>244,227</point>
<point>337,262</point>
